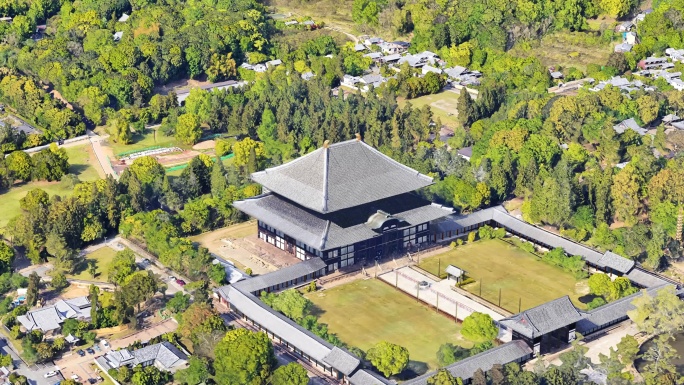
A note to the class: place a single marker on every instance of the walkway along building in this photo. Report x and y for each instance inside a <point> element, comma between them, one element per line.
<point>346,203</point>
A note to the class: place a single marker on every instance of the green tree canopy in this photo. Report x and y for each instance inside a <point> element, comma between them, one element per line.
<point>479,327</point>
<point>388,358</point>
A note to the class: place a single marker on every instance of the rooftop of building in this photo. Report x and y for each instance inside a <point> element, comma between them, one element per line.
<point>544,318</point>
<point>340,176</point>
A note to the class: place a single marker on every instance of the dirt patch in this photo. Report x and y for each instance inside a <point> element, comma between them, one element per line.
<point>177,158</point>
<point>206,145</point>
<point>74,291</point>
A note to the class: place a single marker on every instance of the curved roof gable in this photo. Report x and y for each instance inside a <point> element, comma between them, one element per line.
<point>343,175</point>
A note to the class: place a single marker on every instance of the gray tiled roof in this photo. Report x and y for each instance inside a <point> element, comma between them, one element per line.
<point>301,269</point>
<point>278,324</point>
<point>164,354</point>
<point>544,318</point>
<point>344,175</point>
<point>341,360</point>
<point>644,278</point>
<point>616,262</point>
<point>611,312</point>
<point>367,377</point>
<point>341,228</point>
<point>50,317</point>
<point>464,369</point>
<point>629,124</point>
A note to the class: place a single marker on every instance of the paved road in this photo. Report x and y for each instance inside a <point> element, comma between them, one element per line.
<point>96,141</point>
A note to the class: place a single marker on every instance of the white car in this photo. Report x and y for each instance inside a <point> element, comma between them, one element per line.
<point>50,374</point>
<point>105,344</point>
<point>75,377</point>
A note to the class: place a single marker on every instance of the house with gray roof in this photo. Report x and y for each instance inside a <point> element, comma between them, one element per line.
<point>164,355</point>
<point>345,203</point>
<point>49,319</point>
<point>547,327</point>
<point>629,124</point>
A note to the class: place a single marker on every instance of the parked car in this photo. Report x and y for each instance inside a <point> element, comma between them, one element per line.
<point>97,347</point>
<point>180,282</point>
<point>92,380</point>
<point>75,377</point>
<point>105,344</point>
<point>172,278</point>
<point>90,351</point>
<point>145,261</point>
<point>80,352</point>
<point>50,374</point>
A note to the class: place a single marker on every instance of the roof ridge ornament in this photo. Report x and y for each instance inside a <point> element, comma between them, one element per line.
<point>358,137</point>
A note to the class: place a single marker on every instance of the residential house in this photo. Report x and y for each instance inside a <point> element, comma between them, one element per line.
<point>164,355</point>
<point>652,62</point>
<point>393,58</point>
<point>556,75</point>
<point>273,63</point>
<point>675,54</point>
<point>624,27</point>
<point>224,85</point>
<point>118,36</point>
<point>393,47</point>
<point>373,79</point>
<point>629,124</point>
<point>466,153</point>
<point>350,81</point>
<point>375,56</point>
<point>291,22</point>
<point>629,38</point>
<point>259,68</point>
<point>359,47</point>
<point>6,19</point>
<point>308,75</point>
<point>678,125</point>
<point>309,23</point>
<point>623,47</point>
<point>455,72</point>
<point>642,16</point>
<point>373,40</point>
<point>671,118</point>
<point>123,18</point>
<point>428,68</point>
<point>50,318</point>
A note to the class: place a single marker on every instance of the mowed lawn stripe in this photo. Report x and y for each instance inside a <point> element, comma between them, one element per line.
<point>519,274</point>
<point>365,312</point>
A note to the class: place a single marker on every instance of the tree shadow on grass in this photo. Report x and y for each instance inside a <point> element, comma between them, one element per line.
<point>77,169</point>
<point>316,311</point>
<point>585,299</point>
<point>413,370</point>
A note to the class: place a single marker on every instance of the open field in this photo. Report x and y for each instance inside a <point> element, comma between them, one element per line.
<point>566,49</point>
<point>84,165</point>
<point>365,312</point>
<point>331,12</point>
<point>140,142</point>
<point>519,275</point>
<point>102,257</point>
<point>443,105</point>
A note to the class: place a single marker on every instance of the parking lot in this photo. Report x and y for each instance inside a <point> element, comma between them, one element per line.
<point>72,364</point>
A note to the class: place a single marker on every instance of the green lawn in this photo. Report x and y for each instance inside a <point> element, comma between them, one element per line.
<point>443,105</point>
<point>143,141</point>
<point>365,312</point>
<point>520,275</point>
<point>102,257</point>
<point>83,163</point>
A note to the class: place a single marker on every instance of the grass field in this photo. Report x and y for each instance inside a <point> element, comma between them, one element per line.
<point>102,257</point>
<point>143,141</point>
<point>566,49</point>
<point>83,163</point>
<point>443,105</point>
<point>519,274</point>
<point>365,312</point>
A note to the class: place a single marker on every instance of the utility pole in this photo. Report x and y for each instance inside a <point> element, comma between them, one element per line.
<point>499,297</point>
